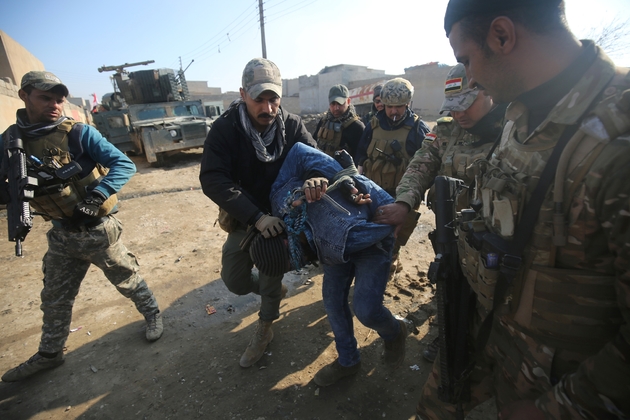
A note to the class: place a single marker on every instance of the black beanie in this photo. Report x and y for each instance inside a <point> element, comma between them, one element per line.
<point>456,10</point>
<point>271,256</point>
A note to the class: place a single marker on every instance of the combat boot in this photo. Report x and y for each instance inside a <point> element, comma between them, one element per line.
<point>33,365</point>
<point>331,373</point>
<point>155,327</point>
<point>394,354</point>
<point>258,344</point>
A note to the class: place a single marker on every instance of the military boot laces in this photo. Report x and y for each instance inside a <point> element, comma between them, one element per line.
<point>155,327</point>
<point>394,354</point>
<point>258,344</point>
<point>333,372</point>
<point>33,365</point>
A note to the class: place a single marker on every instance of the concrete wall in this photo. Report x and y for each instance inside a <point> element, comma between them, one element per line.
<point>428,82</point>
<point>290,87</point>
<point>314,89</point>
<point>201,88</point>
<point>15,60</point>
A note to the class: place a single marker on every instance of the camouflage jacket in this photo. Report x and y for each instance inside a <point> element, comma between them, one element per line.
<point>448,150</point>
<point>563,332</point>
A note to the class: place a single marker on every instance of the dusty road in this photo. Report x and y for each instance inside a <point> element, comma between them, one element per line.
<point>111,372</point>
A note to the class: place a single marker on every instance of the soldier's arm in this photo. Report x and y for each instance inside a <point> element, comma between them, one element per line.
<point>121,168</point>
<point>423,168</point>
<point>599,388</point>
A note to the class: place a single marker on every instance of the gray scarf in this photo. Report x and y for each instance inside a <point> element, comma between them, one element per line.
<point>261,142</point>
<point>36,130</point>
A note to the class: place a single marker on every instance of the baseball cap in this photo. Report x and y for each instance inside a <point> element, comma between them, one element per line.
<point>456,10</point>
<point>42,80</point>
<point>457,95</point>
<point>339,94</point>
<point>260,75</point>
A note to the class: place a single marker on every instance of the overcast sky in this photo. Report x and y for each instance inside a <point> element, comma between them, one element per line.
<point>73,38</point>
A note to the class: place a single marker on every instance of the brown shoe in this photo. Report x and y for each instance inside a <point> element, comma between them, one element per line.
<point>394,353</point>
<point>258,344</point>
<point>331,373</point>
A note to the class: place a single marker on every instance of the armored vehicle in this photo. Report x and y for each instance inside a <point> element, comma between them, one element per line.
<point>150,113</point>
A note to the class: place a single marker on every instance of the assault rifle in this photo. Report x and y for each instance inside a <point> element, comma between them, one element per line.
<point>455,299</point>
<point>21,188</point>
<point>392,157</point>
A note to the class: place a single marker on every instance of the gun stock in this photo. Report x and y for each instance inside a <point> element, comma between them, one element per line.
<point>20,219</point>
<point>454,297</point>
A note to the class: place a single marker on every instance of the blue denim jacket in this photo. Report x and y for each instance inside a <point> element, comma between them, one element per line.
<point>333,232</point>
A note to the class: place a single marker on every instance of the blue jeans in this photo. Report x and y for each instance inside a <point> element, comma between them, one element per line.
<point>370,270</point>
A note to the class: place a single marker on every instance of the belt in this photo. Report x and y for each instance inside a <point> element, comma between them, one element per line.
<point>71,226</point>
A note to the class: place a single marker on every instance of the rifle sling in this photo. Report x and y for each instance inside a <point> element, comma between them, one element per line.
<point>512,260</point>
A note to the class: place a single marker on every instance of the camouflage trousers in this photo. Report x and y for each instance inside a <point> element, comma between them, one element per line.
<point>69,256</point>
<point>515,367</point>
<point>480,380</point>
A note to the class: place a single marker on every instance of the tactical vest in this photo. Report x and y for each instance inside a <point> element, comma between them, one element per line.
<point>566,308</point>
<point>329,134</point>
<point>57,201</point>
<point>459,153</point>
<point>386,167</point>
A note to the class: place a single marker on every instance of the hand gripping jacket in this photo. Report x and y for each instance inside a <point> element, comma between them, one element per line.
<point>387,166</point>
<point>329,134</point>
<point>57,201</point>
<point>563,303</point>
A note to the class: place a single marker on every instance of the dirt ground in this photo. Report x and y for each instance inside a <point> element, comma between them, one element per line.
<point>112,372</point>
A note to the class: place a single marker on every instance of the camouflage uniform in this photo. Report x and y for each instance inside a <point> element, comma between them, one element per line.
<point>447,150</point>
<point>70,253</point>
<point>561,336</point>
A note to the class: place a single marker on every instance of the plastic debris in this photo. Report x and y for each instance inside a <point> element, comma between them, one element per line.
<point>76,329</point>
<point>414,367</point>
<point>210,310</point>
<point>179,258</point>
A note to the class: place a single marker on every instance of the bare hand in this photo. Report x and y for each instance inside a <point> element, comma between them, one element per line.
<point>392,214</point>
<point>314,188</point>
<point>521,410</point>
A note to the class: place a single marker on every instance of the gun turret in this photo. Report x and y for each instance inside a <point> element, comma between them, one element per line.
<point>120,68</point>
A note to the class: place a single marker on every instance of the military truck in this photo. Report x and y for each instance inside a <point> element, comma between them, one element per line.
<point>151,114</point>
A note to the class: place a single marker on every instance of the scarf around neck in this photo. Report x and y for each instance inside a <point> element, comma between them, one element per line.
<point>275,131</point>
<point>38,129</point>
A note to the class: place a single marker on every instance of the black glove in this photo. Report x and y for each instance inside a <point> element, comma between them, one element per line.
<point>344,158</point>
<point>88,208</point>
<point>5,197</point>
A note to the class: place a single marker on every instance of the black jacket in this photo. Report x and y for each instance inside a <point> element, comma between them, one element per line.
<point>231,174</point>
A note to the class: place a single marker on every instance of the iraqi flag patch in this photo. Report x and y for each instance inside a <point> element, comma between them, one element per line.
<point>453,85</point>
<point>430,137</point>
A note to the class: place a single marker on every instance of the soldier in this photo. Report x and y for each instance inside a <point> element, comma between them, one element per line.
<point>553,209</point>
<point>451,147</point>
<point>389,141</point>
<point>242,156</point>
<point>341,127</point>
<point>377,104</point>
<point>84,229</point>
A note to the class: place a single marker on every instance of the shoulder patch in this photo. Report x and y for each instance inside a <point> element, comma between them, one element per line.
<point>430,137</point>
<point>445,120</point>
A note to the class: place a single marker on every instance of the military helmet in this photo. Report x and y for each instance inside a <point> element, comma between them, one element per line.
<point>397,92</point>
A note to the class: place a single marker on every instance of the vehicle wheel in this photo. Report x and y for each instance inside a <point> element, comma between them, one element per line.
<point>161,160</point>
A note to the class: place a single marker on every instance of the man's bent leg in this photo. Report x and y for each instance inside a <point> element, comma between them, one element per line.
<point>121,268</point>
<point>236,265</point>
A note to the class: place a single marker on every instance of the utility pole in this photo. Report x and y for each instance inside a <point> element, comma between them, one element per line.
<point>262,28</point>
